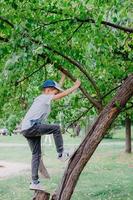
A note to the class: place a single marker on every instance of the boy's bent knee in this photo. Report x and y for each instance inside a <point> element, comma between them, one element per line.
<point>56,127</point>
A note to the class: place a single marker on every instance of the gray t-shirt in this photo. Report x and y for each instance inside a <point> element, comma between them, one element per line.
<point>38,111</point>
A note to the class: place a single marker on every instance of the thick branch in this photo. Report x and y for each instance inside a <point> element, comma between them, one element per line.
<point>88,96</point>
<point>97,132</point>
<point>78,65</point>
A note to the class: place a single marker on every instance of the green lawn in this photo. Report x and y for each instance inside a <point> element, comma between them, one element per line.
<point>108,176</point>
<point>119,133</point>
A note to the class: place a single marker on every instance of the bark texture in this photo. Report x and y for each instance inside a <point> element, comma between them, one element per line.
<point>128,135</point>
<point>43,170</point>
<point>93,138</point>
<point>41,195</point>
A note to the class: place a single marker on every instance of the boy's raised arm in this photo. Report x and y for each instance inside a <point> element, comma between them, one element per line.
<point>68,91</point>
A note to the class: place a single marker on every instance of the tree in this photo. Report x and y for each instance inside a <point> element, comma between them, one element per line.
<point>89,41</point>
<point>128,134</point>
<point>63,33</point>
<point>93,138</point>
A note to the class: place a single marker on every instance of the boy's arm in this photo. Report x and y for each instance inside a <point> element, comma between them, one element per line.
<point>68,91</point>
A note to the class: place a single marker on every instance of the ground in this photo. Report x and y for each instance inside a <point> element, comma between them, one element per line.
<point>108,175</point>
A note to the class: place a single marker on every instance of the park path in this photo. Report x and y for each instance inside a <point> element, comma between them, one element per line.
<point>8,169</point>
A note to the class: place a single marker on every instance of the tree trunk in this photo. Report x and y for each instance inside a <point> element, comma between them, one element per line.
<point>41,195</point>
<point>84,152</point>
<point>128,135</point>
<point>43,171</point>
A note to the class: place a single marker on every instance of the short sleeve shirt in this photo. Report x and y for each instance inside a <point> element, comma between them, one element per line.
<point>38,111</point>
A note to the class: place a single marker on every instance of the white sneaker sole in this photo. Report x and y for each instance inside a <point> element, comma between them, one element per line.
<point>63,159</point>
<point>37,189</point>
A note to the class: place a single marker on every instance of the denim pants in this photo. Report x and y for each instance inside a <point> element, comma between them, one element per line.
<point>33,135</point>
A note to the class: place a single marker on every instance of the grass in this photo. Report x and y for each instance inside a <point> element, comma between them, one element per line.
<point>108,175</point>
<point>119,133</point>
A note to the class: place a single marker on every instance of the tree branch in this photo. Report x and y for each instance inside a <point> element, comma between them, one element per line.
<point>26,77</point>
<point>75,31</point>
<point>79,117</point>
<point>88,96</point>
<point>128,108</point>
<point>88,146</point>
<point>125,29</point>
<point>110,91</point>
<point>78,65</point>
<point>6,21</point>
<point>64,71</point>
<point>75,63</point>
<point>106,23</point>
<point>91,20</point>
<point>51,23</point>
<point>57,21</point>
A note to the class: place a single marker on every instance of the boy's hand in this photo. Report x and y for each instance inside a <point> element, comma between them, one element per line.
<point>68,91</point>
<point>77,83</point>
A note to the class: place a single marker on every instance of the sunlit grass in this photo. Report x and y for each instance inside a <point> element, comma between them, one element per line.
<point>108,175</point>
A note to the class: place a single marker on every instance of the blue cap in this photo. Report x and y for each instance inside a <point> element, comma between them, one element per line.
<point>51,83</point>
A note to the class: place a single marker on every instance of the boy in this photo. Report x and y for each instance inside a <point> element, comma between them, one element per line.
<point>32,127</point>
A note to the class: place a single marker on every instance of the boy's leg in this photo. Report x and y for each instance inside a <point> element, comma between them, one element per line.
<point>44,129</point>
<point>35,146</point>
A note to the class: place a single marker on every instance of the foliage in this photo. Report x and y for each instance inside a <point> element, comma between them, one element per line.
<point>27,27</point>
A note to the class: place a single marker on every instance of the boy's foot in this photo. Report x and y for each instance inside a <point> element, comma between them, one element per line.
<point>37,186</point>
<point>64,156</point>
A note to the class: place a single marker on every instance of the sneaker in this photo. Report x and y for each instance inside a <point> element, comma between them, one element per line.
<point>37,186</point>
<point>64,156</point>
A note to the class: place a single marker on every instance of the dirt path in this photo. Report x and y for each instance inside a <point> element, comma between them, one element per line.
<point>8,169</point>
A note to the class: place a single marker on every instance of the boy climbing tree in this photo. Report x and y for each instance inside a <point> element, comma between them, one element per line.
<point>33,128</point>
